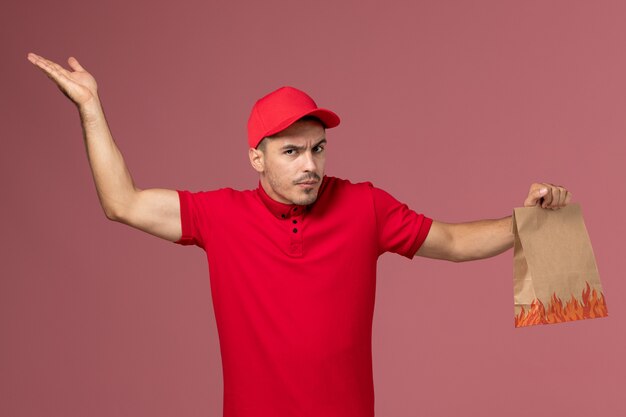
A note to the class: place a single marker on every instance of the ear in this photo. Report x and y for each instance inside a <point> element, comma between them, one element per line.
<point>256,160</point>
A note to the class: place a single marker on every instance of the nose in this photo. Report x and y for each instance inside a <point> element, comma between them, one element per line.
<point>309,162</point>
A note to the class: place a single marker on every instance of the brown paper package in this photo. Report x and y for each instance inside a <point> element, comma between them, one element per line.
<point>555,277</point>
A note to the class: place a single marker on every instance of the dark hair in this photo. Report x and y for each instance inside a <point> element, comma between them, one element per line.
<point>311,118</point>
<point>261,145</point>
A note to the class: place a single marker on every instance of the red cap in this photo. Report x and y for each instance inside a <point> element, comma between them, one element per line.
<point>280,109</point>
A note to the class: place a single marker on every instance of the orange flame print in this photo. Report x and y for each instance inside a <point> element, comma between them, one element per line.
<point>592,306</point>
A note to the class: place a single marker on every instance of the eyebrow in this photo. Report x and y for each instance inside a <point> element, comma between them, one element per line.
<point>300,148</point>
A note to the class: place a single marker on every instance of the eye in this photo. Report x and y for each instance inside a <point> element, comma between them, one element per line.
<point>318,149</point>
<point>290,152</point>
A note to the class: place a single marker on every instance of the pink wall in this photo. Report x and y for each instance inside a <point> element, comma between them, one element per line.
<point>454,107</point>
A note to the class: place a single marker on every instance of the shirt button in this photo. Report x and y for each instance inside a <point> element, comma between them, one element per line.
<point>295,230</point>
<point>294,221</point>
<point>282,215</point>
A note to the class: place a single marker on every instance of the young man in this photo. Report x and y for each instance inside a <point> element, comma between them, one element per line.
<point>293,262</point>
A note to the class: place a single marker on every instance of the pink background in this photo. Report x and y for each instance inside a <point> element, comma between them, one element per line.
<point>454,107</point>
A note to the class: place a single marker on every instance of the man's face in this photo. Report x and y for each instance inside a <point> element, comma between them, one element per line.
<point>291,163</point>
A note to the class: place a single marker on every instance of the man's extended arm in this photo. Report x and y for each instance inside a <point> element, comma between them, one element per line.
<point>485,238</point>
<point>155,211</point>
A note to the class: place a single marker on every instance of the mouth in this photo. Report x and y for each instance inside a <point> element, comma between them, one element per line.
<point>307,185</point>
<point>308,182</point>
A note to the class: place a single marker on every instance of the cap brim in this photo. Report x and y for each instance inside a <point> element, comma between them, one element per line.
<point>328,118</point>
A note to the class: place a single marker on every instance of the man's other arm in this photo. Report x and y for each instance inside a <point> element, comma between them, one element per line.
<point>155,211</point>
<point>459,242</point>
<point>467,241</point>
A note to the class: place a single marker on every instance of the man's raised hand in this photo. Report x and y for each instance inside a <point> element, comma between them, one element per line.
<point>78,85</point>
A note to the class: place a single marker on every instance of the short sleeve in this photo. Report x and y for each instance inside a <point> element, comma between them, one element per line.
<point>400,229</point>
<point>190,219</point>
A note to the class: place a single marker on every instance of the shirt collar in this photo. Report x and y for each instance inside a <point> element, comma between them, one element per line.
<point>282,210</point>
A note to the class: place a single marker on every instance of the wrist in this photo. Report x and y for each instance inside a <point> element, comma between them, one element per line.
<point>91,110</point>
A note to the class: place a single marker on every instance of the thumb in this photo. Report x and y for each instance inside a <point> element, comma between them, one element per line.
<point>74,64</point>
<point>535,196</point>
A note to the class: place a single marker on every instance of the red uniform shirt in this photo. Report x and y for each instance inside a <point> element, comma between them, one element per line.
<point>293,292</point>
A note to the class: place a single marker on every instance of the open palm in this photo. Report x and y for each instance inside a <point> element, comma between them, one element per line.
<point>78,85</point>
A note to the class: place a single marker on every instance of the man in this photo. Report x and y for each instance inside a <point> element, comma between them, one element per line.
<point>293,262</point>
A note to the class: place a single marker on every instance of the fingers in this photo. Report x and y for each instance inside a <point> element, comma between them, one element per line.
<point>565,199</point>
<point>51,69</point>
<point>568,198</point>
<point>551,196</point>
<point>559,197</point>
<point>548,196</point>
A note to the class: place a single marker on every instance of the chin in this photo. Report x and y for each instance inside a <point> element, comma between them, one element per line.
<point>306,199</point>
<point>309,201</point>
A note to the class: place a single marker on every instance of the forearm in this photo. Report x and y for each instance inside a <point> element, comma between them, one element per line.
<point>482,239</point>
<point>113,181</point>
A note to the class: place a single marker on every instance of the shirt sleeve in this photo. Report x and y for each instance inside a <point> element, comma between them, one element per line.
<point>400,229</point>
<point>190,219</point>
